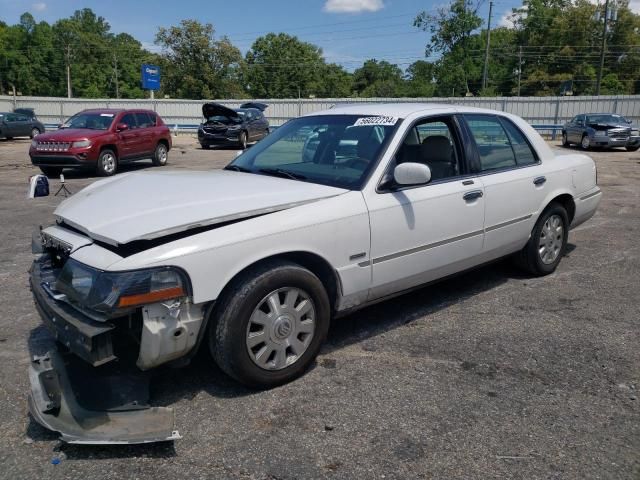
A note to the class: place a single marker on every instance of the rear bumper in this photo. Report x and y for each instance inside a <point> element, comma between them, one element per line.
<point>586,206</point>
<point>53,403</point>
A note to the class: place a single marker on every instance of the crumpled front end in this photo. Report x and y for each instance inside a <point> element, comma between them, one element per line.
<point>92,384</point>
<point>94,411</point>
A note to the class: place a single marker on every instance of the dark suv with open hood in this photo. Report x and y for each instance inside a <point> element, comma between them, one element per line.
<point>226,126</point>
<point>604,130</point>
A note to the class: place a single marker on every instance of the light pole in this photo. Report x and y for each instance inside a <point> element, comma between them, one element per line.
<point>610,15</point>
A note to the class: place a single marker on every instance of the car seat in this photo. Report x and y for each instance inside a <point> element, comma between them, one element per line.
<point>437,153</point>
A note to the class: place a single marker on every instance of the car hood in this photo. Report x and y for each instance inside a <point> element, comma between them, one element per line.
<point>70,134</point>
<point>150,205</point>
<point>214,109</point>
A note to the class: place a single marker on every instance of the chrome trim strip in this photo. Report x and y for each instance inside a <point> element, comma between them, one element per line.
<point>510,222</point>
<point>591,195</point>
<point>421,248</point>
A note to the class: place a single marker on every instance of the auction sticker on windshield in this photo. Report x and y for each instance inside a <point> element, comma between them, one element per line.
<point>387,121</point>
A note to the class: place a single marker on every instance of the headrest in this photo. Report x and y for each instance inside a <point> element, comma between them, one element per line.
<point>436,148</point>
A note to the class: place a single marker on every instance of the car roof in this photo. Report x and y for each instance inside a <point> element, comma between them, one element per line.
<point>400,110</point>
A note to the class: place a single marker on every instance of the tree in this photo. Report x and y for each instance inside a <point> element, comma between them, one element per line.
<point>195,64</point>
<point>420,79</point>
<point>378,79</point>
<point>280,66</point>
<point>450,29</point>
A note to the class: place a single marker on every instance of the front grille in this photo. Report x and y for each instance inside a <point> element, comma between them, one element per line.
<point>53,146</point>
<point>619,134</point>
<point>215,129</point>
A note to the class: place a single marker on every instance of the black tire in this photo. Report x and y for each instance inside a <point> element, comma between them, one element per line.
<point>582,144</point>
<point>632,149</point>
<point>51,172</point>
<point>161,155</point>
<point>529,258</point>
<point>230,319</point>
<point>106,166</point>
<point>242,140</point>
<point>34,131</point>
<point>565,142</point>
<point>204,146</point>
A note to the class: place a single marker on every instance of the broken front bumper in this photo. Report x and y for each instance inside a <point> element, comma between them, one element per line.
<point>54,404</point>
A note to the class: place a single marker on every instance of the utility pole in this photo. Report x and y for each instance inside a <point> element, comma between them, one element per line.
<point>115,67</point>
<point>68,56</point>
<point>486,53</point>
<point>603,46</point>
<point>519,67</point>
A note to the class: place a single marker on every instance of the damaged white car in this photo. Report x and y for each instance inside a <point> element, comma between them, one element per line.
<point>332,212</point>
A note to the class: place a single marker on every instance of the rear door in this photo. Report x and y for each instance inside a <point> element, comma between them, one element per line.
<point>129,139</point>
<point>513,180</point>
<point>146,126</point>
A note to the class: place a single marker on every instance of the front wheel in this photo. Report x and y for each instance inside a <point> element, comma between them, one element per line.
<point>107,163</point>
<point>545,248</point>
<point>586,142</point>
<point>242,140</point>
<point>632,149</point>
<point>565,141</point>
<point>161,155</point>
<point>35,132</point>
<point>270,324</point>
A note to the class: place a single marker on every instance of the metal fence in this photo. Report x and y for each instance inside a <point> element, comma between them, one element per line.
<point>544,113</point>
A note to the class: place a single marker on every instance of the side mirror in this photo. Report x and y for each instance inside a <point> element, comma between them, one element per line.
<point>629,121</point>
<point>121,127</point>
<point>412,173</point>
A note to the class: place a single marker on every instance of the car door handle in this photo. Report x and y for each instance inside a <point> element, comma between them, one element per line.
<point>472,195</point>
<point>539,181</point>
<point>467,182</point>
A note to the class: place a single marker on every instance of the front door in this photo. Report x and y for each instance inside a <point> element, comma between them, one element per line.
<point>129,144</point>
<point>422,233</point>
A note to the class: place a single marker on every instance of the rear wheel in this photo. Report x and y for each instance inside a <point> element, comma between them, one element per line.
<point>161,155</point>
<point>107,163</point>
<point>269,324</point>
<point>632,149</point>
<point>586,142</point>
<point>52,172</point>
<point>545,248</point>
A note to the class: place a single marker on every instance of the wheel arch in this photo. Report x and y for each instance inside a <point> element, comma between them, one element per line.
<point>313,262</point>
<point>567,201</point>
<point>165,142</point>
<point>110,146</point>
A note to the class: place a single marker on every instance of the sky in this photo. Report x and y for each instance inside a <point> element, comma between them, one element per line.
<point>348,31</point>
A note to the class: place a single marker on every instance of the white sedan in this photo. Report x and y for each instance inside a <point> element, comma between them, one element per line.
<point>333,211</point>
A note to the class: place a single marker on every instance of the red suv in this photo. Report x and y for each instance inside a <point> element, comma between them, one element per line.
<point>102,139</point>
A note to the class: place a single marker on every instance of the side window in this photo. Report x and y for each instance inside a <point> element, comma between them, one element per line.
<point>130,120</point>
<point>525,155</point>
<point>432,142</point>
<point>152,119</point>
<point>10,117</point>
<point>21,118</point>
<point>144,120</point>
<point>493,144</point>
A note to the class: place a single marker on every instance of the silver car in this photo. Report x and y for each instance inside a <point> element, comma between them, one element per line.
<point>603,130</point>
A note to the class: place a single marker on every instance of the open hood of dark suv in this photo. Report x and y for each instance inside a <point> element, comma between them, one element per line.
<point>257,105</point>
<point>215,109</point>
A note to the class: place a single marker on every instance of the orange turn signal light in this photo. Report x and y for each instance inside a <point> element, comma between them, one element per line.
<point>151,297</point>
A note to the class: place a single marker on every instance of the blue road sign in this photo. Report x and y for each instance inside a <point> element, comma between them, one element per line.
<point>150,77</point>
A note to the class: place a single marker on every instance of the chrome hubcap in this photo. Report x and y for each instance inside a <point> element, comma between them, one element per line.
<point>585,142</point>
<point>108,163</point>
<point>551,239</point>
<point>162,154</point>
<point>281,328</point>
<point>35,132</point>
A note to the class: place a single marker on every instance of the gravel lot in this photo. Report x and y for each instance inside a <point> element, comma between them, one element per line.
<point>490,375</point>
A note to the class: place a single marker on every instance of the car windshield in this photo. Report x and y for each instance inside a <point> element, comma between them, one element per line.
<point>92,121</point>
<point>224,119</point>
<point>606,119</point>
<point>335,150</point>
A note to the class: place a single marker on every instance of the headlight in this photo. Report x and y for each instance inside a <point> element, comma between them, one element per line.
<point>234,128</point>
<point>81,144</point>
<point>113,293</point>
<point>635,132</point>
<point>600,133</point>
<point>34,143</point>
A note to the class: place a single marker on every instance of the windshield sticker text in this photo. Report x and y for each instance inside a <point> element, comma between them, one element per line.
<point>388,121</point>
